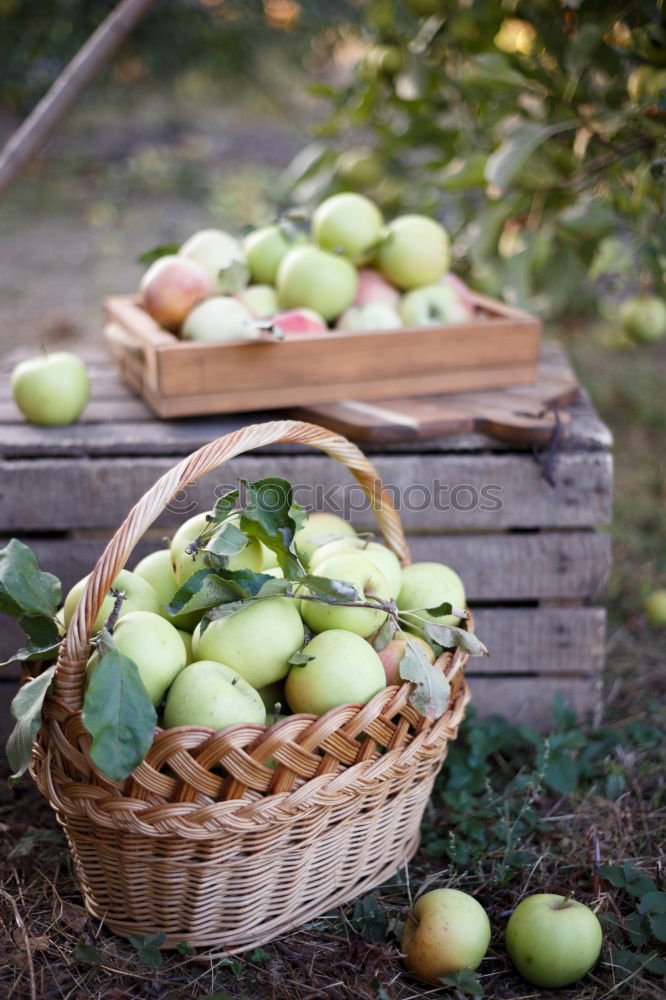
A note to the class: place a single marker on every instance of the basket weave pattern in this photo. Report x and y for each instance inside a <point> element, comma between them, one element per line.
<point>231,838</point>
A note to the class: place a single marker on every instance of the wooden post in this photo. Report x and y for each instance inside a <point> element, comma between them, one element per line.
<point>66,90</point>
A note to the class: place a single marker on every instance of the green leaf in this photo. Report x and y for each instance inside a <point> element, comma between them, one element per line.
<point>233,278</point>
<point>561,773</point>
<point>267,516</point>
<point>652,902</point>
<point>637,884</point>
<point>87,954</point>
<point>613,874</point>
<point>466,981</point>
<point>462,174</point>
<point>612,256</point>
<point>119,715</point>
<point>225,611</point>
<point>431,695</point>
<point>206,589</point>
<point>331,591</point>
<point>385,634</point>
<point>150,256</point>
<point>43,640</point>
<point>505,162</point>
<point>228,541</point>
<point>299,659</point>
<point>450,636</point>
<point>24,588</point>
<point>224,506</point>
<point>26,708</point>
<point>148,947</point>
<point>658,925</point>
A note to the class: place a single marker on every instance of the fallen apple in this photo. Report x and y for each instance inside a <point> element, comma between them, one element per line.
<point>157,570</point>
<point>51,389</point>
<point>655,608</point>
<point>215,252</point>
<point>344,669</point>
<point>434,305</point>
<point>368,581</point>
<point>186,563</point>
<point>171,287</point>
<point>373,316</point>
<point>139,596</point>
<point>298,321</point>
<point>348,224</point>
<point>316,279</point>
<point>427,585</point>
<point>446,931</point>
<point>220,317</point>
<point>374,288</point>
<point>260,300</point>
<point>319,528</point>
<point>210,694</point>
<point>264,249</point>
<point>414,251</point>
<point>552,940</point>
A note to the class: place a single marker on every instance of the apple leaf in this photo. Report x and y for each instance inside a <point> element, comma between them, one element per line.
<point>150,256</point>
<point>267,516</point>
<point>24,588</point>
<point>444,609</point>
<point>331,591</point>
<point>431,694</point>
<point>299,659</point>
<point>224,611</point>
<point>43,638</point>
<point>449,636</point>
<point>276,586</point>
<point>204,589</point>
<point>227,541</point>
<point>385,634</point>
<point>505,162</point>
<point>119,715</point>
<point>26,708</point>
<point>298,513</point>
<point>224,506</point>
<point>233,278</point>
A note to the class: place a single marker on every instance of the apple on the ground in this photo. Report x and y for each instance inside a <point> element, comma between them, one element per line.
<point>655,608</point>
<point>256,641</point>
<point>264,249</point>
<point>379,554</point>
<point>214,251</point>
<point>260,300</point>
<point>349,224</point>
<point>344,669</point>
<point>211,694</point>
<point>373,316</point>
<point>319,528</point>
<point>553,940</point>
<point>313,278</point>
<point>185,563</point>
<point>139,596</point>
<point>155,647</point>
<point>374,288</point>
<point>446,931</point>
<point>366,578</point>
<point>297,321</point>
<point>171,287</point>
<point>51,389</point>
<point>414,251</point>
<point>427,585</point>
<point>157,570</point>
<point>221,317</point>
<point>434,305</point>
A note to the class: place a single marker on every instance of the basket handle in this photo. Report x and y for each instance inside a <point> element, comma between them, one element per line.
<point>70,673</point>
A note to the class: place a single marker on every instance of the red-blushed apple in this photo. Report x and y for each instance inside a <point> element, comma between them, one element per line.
<point>260,300</point>
<point>220,318</point>
<point>211,694</point>
<point>215,252</point>
<point>655,608</point>
<point>374,288</point>
<point>414,251</point>
<point>349,224</point>
<point>427,585</point>
<point>552,940</point>
<point>294,322</point>
<point>344,669</point>
<point>315,279</point>
<point>392,653</point>
<point>643,317</point>
<point>51,389</point>
<point>461,288</point>
<point>264,249</point>
<point>373,316</point>
<point>368,581</point>
<point>171,287</point>
<point>319,528</point>
<point>434,305</point>
<point>446,931</point>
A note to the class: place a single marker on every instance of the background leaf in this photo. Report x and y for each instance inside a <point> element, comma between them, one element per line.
<point>24,588</point>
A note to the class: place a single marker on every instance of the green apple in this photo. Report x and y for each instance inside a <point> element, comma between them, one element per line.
<point>219,318</point>
<point>643,317</point>
<point>154,645</point>
<point>318,280</point>
<point>374,289</point>
<point>415,251</point>
<point>157,570</point>
<point>434,305</point>
<point>211,694</point>
<point>359,168</point>
<point>319,528</point>
<point>373,316</point>
<point>171,287</point>
<point>392,653</point>
<point>51,389</point>
<point>446,931</point>
<point>214,251</point>
<point>184,564</point>
<point>349,224</point>
<point>256,641</point>
<point>427,585</point>
<point>553,941</point>
<point>187,642</point>
<point>655,608</point>
<point>260,300</point>
<point>354,568</point>
<point>139,596</point>
<point>344,669</point>
<point>269,557</point>
<point>383,558</point>
<point>264,250</point>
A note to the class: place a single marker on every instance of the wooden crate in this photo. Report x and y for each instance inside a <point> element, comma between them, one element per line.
<point>533,567</point>
<point>182,378</point>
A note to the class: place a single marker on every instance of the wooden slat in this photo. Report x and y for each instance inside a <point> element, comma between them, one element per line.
<point>530,701</point>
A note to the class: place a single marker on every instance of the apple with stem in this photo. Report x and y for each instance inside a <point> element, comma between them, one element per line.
<point>368,581</point>
<point>221,317</point>
<point>446,931</point>
<point>344,669</point>
<point>553,940</point>
<point>313,278</point>
<point>211,694</point>
<point>415,251</point>
<point>157,570</point>
<point>215,252</point>
<point>139,596</point>
<point>186,563</point>
<point>51,389</point>
<point>349,224</point>
<point>171,287</point>
<point>427,585</point>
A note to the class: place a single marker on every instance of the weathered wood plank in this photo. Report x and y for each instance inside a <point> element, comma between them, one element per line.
<point>530,701</point>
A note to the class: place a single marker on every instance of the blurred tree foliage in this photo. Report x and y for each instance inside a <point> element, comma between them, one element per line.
<point>534,129</point>
<point>226,38</point>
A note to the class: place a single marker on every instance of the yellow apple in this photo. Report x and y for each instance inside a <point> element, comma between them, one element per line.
<point>319,528</point>
<point>366,578</point>
<point>446,931</point>
<point>427,585</point>
<point>380,555</point>
<point>157,570</point>
<point>184,564</point>
<point>344,669</point>
<point>211,694</point>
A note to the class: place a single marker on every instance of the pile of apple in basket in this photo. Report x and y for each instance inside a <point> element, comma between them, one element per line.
<point>352,271</point>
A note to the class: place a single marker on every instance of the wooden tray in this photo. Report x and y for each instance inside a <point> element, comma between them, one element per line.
<point>180,378</point>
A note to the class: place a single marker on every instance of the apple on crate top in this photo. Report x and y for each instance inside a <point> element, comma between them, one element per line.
<point>318,528</point>
<point>219,318</point>
<point>373,288</point>
<point>297,321</point>
<point>373,316</point>
<point>313,278</point>
<point>414,251</point>
<point>260,300</point>
<point>211,694</point>
<point>186,563</point>
<point>157,570</point>
<point>379,554</point>
<point>139,596</point>
<point>264,250</point>
<point>446,931</point>
<point>215,252</point>
<point>155,647</point>
<point>256,641</point>
<point>171,287</point>
<point>348,224</point>
<point>368,581</point>
<point>51,389</point>
<point>553,940</point>
<point>344,669</point>
<point>427,585</point>
<point>434,305</point>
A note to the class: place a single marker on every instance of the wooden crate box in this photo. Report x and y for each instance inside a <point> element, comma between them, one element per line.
<point>534,557</point>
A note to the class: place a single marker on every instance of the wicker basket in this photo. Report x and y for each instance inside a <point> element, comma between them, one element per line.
<point>204,841</point>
